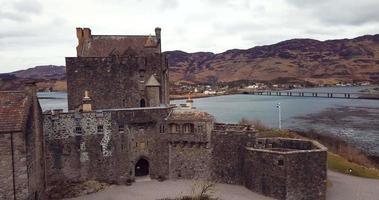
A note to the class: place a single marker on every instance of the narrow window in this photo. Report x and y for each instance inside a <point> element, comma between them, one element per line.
<point>121,128</point>
<point>100,128</point>
<point>142,103</point>
<point>142,74</point>
<point>280,162</point>
<point>188,128</point>
<point>78,130</point>
<point>174,128</point>
<point>161,129</point>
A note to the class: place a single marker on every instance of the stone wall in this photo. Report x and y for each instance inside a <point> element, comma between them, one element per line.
<point>114,82</point>
<point>6,172</point>
<point>190,160</point>
<point>140,137</point>
<point>228,154</point>
<point>286,168</point>
<point>108,155</point>
<point>110,143</point>
<point>78,146</point>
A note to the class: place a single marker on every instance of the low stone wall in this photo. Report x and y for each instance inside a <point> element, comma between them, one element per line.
<point>288,169</point>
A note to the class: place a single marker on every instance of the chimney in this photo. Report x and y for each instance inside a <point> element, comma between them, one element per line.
<point>80,36</point>
<point>87,33</point>
<point>158,35</point>
<point>79,33</point>
<point>86,103</point>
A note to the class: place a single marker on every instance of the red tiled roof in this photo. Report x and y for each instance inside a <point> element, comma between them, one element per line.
<point>104,45</point>
<point>14,108</point>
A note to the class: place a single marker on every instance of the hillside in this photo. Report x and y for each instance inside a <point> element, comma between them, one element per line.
<point>330,61</point>
<point>44,72</point>
<point>305,59</point>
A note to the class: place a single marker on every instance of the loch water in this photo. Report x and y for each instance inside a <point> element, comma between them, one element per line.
<point>354,120</point>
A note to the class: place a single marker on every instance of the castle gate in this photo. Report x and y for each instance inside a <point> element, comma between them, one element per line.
<point>142,167</point>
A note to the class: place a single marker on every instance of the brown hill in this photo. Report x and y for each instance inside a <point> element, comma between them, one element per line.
<point>44,72</point>
<point>329,61</point>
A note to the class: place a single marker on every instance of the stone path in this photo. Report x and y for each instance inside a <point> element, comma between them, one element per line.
<point>344,188</point>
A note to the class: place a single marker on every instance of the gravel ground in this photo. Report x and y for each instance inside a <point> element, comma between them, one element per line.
<point>343,187</point>
<point>152,190</point>
<point>352,188</point>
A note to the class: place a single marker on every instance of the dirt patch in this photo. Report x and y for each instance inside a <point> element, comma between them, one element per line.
<point>75,189</point>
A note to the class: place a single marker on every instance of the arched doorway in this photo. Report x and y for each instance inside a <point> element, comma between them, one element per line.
<point>142,167</point>
<point>142,103</point>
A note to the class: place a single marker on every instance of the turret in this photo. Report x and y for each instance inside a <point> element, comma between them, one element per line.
<point>152,91</point>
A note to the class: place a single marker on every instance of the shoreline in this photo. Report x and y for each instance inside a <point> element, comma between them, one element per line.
<point>342,148</point>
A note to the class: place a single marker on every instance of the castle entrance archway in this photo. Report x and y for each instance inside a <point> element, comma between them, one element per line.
<point>142,167</point>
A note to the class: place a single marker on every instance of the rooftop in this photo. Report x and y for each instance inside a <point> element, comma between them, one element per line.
<point>14,108</point>
<point>106,45</point>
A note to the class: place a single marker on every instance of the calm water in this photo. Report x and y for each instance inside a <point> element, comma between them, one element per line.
<point>355,120</point>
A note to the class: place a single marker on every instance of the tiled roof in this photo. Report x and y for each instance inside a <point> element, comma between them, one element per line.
<point>14,108</point>
<point>104,45</point>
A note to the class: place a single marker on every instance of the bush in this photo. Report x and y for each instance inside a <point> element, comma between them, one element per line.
<point>257,124</point>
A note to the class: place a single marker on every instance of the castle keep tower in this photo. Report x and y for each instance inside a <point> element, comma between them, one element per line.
<point>119,71</point>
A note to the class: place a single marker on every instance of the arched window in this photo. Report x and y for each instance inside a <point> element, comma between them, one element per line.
<point>188,128</point>
<point>142,103</point>
<point>174,128</point>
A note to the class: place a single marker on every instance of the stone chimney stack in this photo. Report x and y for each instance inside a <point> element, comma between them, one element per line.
<point>83,34</point>
<point>86,33</point>
<point>158,35</point>
<point>86,103</point>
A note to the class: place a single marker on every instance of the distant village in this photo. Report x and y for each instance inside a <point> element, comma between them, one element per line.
<point>182,90</point>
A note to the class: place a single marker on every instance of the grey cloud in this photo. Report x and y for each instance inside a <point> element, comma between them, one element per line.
<point>230,3</point>
<point>28,6</point>
<point>11,16</point>
<point>20,11</point>
<point>169,4</point>
<point>340,12</point>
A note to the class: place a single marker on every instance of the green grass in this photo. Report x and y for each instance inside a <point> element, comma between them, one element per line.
<point>340,164</point>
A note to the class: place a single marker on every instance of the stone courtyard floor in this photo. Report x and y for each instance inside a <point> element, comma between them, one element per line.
<point>344,188</point>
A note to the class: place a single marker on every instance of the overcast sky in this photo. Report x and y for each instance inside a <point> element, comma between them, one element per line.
<point>40,32</point>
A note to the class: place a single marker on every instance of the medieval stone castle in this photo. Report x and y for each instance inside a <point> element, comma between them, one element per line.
<point>120,126</point>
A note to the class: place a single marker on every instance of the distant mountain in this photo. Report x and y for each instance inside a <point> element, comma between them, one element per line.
<point>314,61</point>
<point>48,77</point>
<point>302,59</point>
<point>45,72</point>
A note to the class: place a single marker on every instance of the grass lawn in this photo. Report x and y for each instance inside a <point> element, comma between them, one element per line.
<point>340,164</point>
